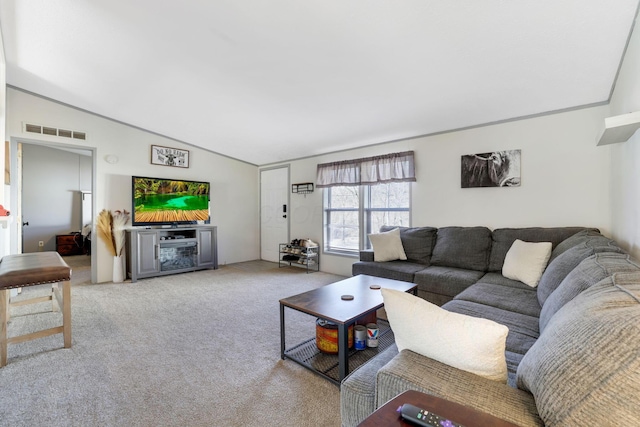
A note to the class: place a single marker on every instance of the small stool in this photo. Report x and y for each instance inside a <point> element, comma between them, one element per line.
<point>22,270</point>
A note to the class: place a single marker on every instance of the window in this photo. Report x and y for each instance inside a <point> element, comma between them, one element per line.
<point>352,212</point>
<point>342,219</point>
<point>361,195</point>
<point>387,204</point>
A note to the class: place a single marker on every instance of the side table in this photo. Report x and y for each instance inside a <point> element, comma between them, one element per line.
<point>70,244</point>
<point>388,416</point>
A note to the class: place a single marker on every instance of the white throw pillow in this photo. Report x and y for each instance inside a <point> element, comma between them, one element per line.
<point>526,261</point>
<point>468,343</point>
<point>387,246</point>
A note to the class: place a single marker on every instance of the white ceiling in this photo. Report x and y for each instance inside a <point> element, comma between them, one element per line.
<point>267,81</point>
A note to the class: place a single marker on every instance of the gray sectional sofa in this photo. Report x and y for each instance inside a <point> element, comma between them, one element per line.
<point>573,347</point>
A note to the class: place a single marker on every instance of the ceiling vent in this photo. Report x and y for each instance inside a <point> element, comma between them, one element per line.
<point>47,130</point>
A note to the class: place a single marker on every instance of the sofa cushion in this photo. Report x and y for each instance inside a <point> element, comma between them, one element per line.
<point>526,261</point>
<point>523,329</point>
<point>358,390</point>
<point>366,255</point>
<point>447,281</point>
<point>397,270</point>
<point>585,367</point>
<point>566,260</point>
<point>517,299</point>
<point>411,371</point>
<point>469,343</point>
<point>418,242</point>
<point>387,246</point>
<point>589,272</point>
<point>434,298</point>
<point>462,247</point>
<point>503,238</point>
<point>573,240</point>
<point>499,279</point>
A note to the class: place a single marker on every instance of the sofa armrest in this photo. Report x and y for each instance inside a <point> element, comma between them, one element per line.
<point>411,371</point>
<point>358,390</point>
<point>366,255</point>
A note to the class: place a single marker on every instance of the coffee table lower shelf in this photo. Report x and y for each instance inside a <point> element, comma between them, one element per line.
<point>326,365</point>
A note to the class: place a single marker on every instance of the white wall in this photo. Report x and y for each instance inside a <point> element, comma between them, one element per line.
<point>565,179</point>
<point>625,157</point>
<point>234,184</point>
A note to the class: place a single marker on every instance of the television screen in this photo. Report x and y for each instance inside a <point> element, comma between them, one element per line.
<point>158,201</point>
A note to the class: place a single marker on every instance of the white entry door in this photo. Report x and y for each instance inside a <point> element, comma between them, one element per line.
<point>274,211</point>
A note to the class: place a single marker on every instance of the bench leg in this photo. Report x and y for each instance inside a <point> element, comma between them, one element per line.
<point>54,306</point>
<point>64,302</point>
<point>4,318</point>
<point>66,313</point>
<point>8,296</point>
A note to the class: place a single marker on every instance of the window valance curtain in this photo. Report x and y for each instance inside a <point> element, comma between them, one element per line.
<point>394,167</point>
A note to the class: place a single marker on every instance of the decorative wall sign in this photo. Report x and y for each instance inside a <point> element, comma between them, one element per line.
<point>495,169</point>
<point>169,156</point>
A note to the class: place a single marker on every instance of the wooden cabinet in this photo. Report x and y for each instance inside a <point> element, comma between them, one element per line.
<point>70,244</point>
<point>157,252</point>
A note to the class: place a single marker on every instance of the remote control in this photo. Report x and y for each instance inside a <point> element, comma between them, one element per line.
<point>424,418</point>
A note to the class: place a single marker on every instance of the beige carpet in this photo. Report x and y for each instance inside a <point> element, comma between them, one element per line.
<point>194,349</point>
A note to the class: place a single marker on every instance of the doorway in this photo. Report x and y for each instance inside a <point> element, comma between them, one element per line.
<point>274,211</point>
<point>53,184</point>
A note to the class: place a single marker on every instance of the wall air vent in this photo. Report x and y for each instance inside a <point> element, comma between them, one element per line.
<point>47,130</point>
<point>33,128</point>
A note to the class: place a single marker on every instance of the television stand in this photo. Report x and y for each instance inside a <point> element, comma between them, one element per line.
<point>159,252</point>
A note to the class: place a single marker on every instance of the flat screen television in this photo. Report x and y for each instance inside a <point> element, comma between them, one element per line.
<point>159,201</point>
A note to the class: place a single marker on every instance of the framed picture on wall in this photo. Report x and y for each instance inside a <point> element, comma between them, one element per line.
<point>168,156</point>
<point>494,169</point>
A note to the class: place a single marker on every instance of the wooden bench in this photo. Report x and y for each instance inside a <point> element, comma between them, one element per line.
<point>23,270</point>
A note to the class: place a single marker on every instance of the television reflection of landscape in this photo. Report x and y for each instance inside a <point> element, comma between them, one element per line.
<point>163,201</point>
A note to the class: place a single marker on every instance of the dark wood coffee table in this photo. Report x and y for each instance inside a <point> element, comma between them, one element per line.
<point>326,303</point>
<point>387,414</point>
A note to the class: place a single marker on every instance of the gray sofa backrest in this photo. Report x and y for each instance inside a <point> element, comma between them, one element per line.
<point>503,238</point>
<point>575,239</point>
<point>567,255</point>
<point>418,242</point>
<point>462,247</point>
<point>584,369</point>
<point>589,272</point>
